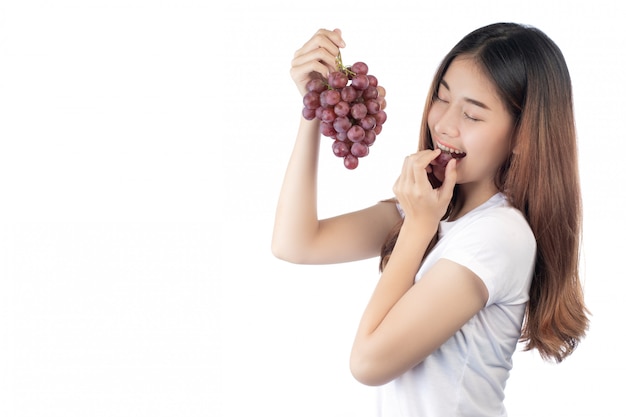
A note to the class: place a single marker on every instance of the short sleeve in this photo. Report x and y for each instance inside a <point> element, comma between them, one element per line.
<point>400,211</point>
<point>500,249</point>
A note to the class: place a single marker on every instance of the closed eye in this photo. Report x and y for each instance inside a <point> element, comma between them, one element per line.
<point>473,119</point>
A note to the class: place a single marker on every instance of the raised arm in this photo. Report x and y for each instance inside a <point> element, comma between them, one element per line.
<point>299,236</point>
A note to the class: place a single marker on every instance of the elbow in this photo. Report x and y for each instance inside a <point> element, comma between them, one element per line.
<point>285,253</point>
<point>374,367</point>
<point>279,252</point>
<point>296,247</point>
<point>367,371</point>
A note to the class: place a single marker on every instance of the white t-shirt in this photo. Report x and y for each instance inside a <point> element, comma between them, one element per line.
<point>466,376</point>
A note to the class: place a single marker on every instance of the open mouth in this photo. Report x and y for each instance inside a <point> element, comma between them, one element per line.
<point>447,154</point>
<point>454,153</point>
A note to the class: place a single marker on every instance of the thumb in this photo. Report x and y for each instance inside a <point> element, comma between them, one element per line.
<point>447,188</point>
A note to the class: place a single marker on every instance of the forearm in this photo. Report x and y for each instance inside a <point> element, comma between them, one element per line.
<point>396,279</point>
<point>296,220</point>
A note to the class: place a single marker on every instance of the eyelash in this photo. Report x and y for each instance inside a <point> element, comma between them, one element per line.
<point>467,116</point>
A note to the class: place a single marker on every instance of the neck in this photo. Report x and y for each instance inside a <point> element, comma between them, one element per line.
<point>470,196</point>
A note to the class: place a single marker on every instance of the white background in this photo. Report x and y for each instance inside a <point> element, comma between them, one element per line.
<point>142,147</point>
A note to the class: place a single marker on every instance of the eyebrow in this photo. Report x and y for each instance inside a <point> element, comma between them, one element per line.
<point>467,99</point>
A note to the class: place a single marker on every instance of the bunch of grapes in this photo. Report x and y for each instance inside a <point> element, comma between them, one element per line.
<point>350,105</point>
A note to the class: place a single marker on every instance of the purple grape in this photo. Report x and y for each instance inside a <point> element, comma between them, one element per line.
<point>356,133</point>
<point>311,100</point>
<point>316,84</point>
<point>342,108</point>
<point>370,137</point>
<point>373,80</point>
<point>350,161</point>
<point>330,98</point>
<point>328,115</point>
<point>342,124</point>
<point>373,106</point>
<point>358,111</point>
<point>359,149</point>
<point>349,94</point>
<point>327,129</point>
<point>342,136</point>
<point>368,122</point>
<point>360,68</point>
<point>360,82</point>
<point>381,117</point>
<point>340,149</point>
<point>370,93</point>
<point>337,79</point>
<point>308,114</point>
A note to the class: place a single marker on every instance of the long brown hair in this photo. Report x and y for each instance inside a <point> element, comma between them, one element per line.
<point>540,178</point>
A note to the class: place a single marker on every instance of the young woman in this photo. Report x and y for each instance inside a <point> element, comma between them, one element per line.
<point>480,246</point>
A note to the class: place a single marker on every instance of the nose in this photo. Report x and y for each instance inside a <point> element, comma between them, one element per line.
<point>447,122</point>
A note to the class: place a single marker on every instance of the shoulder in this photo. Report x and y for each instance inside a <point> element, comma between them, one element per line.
<point>502,225</point>
<point>498,245</point>
<point>501,231</point>
<point>494,223</point>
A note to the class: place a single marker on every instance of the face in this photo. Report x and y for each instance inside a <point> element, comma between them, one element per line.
<point>468,116</point>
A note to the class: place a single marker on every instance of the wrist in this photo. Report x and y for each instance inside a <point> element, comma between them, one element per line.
<point>419,226</point>
<point>410,246</point>
<point>414,237</point>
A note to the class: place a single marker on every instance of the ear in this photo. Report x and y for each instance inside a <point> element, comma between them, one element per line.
<point>513,145</point>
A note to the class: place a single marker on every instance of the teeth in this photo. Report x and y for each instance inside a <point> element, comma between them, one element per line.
<point>449,150</point>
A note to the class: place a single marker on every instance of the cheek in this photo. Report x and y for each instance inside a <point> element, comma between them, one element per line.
<point>492,153</point>
<point>429,116</point>
<point>504,143</point>
<point>433,117</point>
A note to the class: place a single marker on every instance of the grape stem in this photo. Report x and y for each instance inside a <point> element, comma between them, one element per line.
<point>341,67</point>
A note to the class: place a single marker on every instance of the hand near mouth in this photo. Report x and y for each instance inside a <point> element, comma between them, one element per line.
<point>442,161</point>
<point>447,154</point>
<point>415,191</point>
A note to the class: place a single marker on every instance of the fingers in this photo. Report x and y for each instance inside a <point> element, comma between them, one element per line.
<point>330,39</point>
<point>421,164</point>
<point>414,190</point>
<point>322,54</point>
<point>413,177</point>
<point>318,53</point>
<point>301,74</point>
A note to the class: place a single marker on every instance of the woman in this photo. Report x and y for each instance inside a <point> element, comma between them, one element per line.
<point>480,245</point>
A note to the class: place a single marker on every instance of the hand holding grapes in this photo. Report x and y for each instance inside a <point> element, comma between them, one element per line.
<point>316,58</point>
<point>346,99</point>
